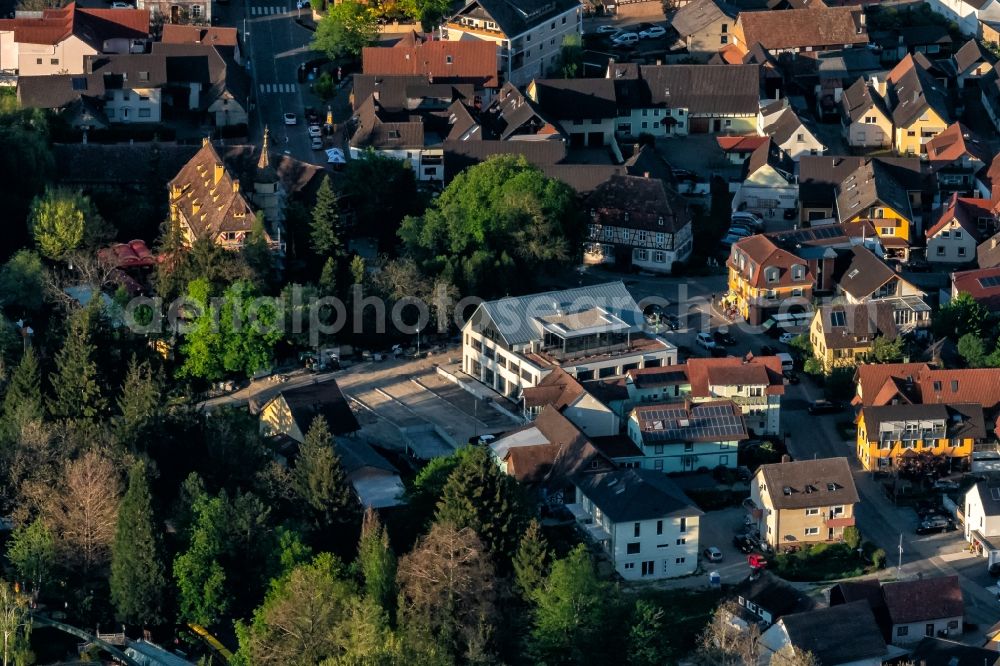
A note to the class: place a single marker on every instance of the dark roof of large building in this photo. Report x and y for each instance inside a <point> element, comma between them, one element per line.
<point>636,494</point>
<point>636,202</point>
<point>838,634</point>
<point>851,326</point>
<point>872,183</point>
<point>912,90</point>
<point>517,16</point>
<point>459,155</point>
<point>807,483</point>
<point>574,99</point>
<point>773,595</point>
<point>933,651</point>
<point>701,89</point>
<point>324,399</point>
<point>923,599</point>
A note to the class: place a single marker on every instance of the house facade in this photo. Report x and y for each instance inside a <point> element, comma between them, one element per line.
<point>981,509</point>
<point>753,384</point>
<point>924,607</point>
<point>872,193</point>
<point>637,221</point>
<point>684,436</point>
<point>190,12</point>
<point>769,186</point>
<point>642,520</point>
<point>802,502</point>
<point>865,119</point>
<point>584,109</point>
<point>918,103</point>
<point>764,278</point>
<point>705,26</point>
<point>949,431</point>
<point>955,236</point>
<point>561,391</point>
<point>956,156</point>
<point>528,33</point>
<point>591,333</point>
<point>844,335</point>
<point>787,131</point>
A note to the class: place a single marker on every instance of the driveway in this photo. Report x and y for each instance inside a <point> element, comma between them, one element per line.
<point>717,528</point>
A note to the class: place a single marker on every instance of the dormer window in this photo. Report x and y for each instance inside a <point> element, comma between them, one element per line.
<point>448,59</point>
<point>771,274</point>
<point>798,272</point>
<point>394,134</point>
<point>787,490</point>
<point>659,220</point>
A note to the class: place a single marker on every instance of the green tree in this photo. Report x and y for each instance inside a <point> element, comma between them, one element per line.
<point>22,281</point>
<point>852,537</point>
<point>886,350</point>
<point>570,63</point>
<point>23,400</point>
<point>972,350</point>
<point>328,278</point>
<point>428,485</point>
<point>377,563</point>
<point>531,562</point>
<point>571,612</point>
<point>139,405</point>
<point>15,627</point>
<point>962,315</point>
<point>32,552</point>
<point>299,622</point>
<point>237,336</point>
<point>479,495</point>
<point>325,225</point>
<point>381,191</point>
<point>789,655</point>
<point>256,252</point>
<point>358,269</point>
<point>647,636</point>
<point>64,220</point>
<point>203,591</point>
<point>347,28</point>
<point>137,577</point>
<point>76,385</point>
<point>320,480</point>
<point>496,226</point>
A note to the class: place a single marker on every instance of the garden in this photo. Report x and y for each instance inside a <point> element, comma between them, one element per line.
<point>829,561</point>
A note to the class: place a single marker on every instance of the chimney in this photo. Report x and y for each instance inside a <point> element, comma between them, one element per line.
<point>204,142</point>
<point>785,458</point>
<point>219,170</point>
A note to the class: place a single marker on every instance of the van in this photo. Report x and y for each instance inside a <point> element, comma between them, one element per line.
<point>787,363</point>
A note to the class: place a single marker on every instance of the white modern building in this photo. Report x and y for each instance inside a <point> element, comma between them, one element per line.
<point>642,520</point>
<point>982,520</point>
<point>590,332</point>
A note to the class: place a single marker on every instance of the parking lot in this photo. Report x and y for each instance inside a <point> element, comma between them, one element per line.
<point>717,528</point>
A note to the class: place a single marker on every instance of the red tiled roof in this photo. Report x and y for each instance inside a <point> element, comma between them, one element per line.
<point>927,385</point>
<point>953,144</point>
<point>871,377</point>
<point>473,60</point>
<point>797,28</point>
<point>966,212</point>
<point>741,144</point>
<point>969,282</point>
<point>763,253</point>
<point>558,388</point>
<point>55,25</point>
<point>128,255</point>
<point>175,33</point>
<point>731,371</point>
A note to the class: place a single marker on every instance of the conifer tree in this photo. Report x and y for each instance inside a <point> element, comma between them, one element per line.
<point>138,403</point>
<point>531,562</point>
<point>137,576</point>
<point>76,385</point>
<point>377,563</point>
<point>320,480</point>
<point>325,226</point>
<point>23,400</point>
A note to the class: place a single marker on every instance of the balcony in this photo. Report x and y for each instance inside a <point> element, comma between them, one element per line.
<point>475,30</point>
<point>749,401</point>
<point>839,521</point>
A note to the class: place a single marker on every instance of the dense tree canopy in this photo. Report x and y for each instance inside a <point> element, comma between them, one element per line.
<point>64,220</point>
<point>495,226</point>
<point>347,28</point>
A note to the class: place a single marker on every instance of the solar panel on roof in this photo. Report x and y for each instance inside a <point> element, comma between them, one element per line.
<point>991,281</point>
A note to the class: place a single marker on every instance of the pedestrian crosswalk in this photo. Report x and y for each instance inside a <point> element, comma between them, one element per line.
<point>279,88</point>
<point>267,11</point>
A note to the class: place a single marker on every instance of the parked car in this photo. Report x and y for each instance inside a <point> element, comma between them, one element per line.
<point>790,377</point>
<point>606,29</point>
<point>121,5</point>
<point>653,32</point>
<point>824,407</point>
<point>302,4</point>
<point>723,338</point>
<point>786,338</point>
<point>705,340</point>
<point>730,239</point>
<point>718,352</point>
<point>317,143</point>
<point>740,231</point>
<point>291,119</point>
<point>712,554</point>
<point>946,484</point>
<point>745,216</point>
<point>746,226</point>
<point>935,525</point>
<point>742,544</point>
<point>315,131</point>
<point>670,321</point>
<point>767,350</point>
<point>625,39</point>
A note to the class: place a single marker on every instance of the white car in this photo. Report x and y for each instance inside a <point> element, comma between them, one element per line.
<point>606,29</point>
<point>121,5</point>
<point>315,131</point>
<point>786,338</point>
<point>705,340</point>
<point>712,554</point>
<point>291,119</point>
<point>625,39</point>
<point>653,32</point>
<point>317,143</point>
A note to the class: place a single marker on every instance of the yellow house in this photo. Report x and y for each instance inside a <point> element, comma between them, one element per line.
<point>918,103</point>
<point>872,193</point>
<point>763,278</point>
<point>890,432</point>
<point>292,411</point>
<point>842,335</point>
<point>802,502</point>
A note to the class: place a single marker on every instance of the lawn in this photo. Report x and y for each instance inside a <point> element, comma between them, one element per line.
<point>820,561</point>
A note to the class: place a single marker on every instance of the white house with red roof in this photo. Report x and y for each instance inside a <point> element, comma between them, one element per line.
<point>962,225</point>
<point>56,41</point>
